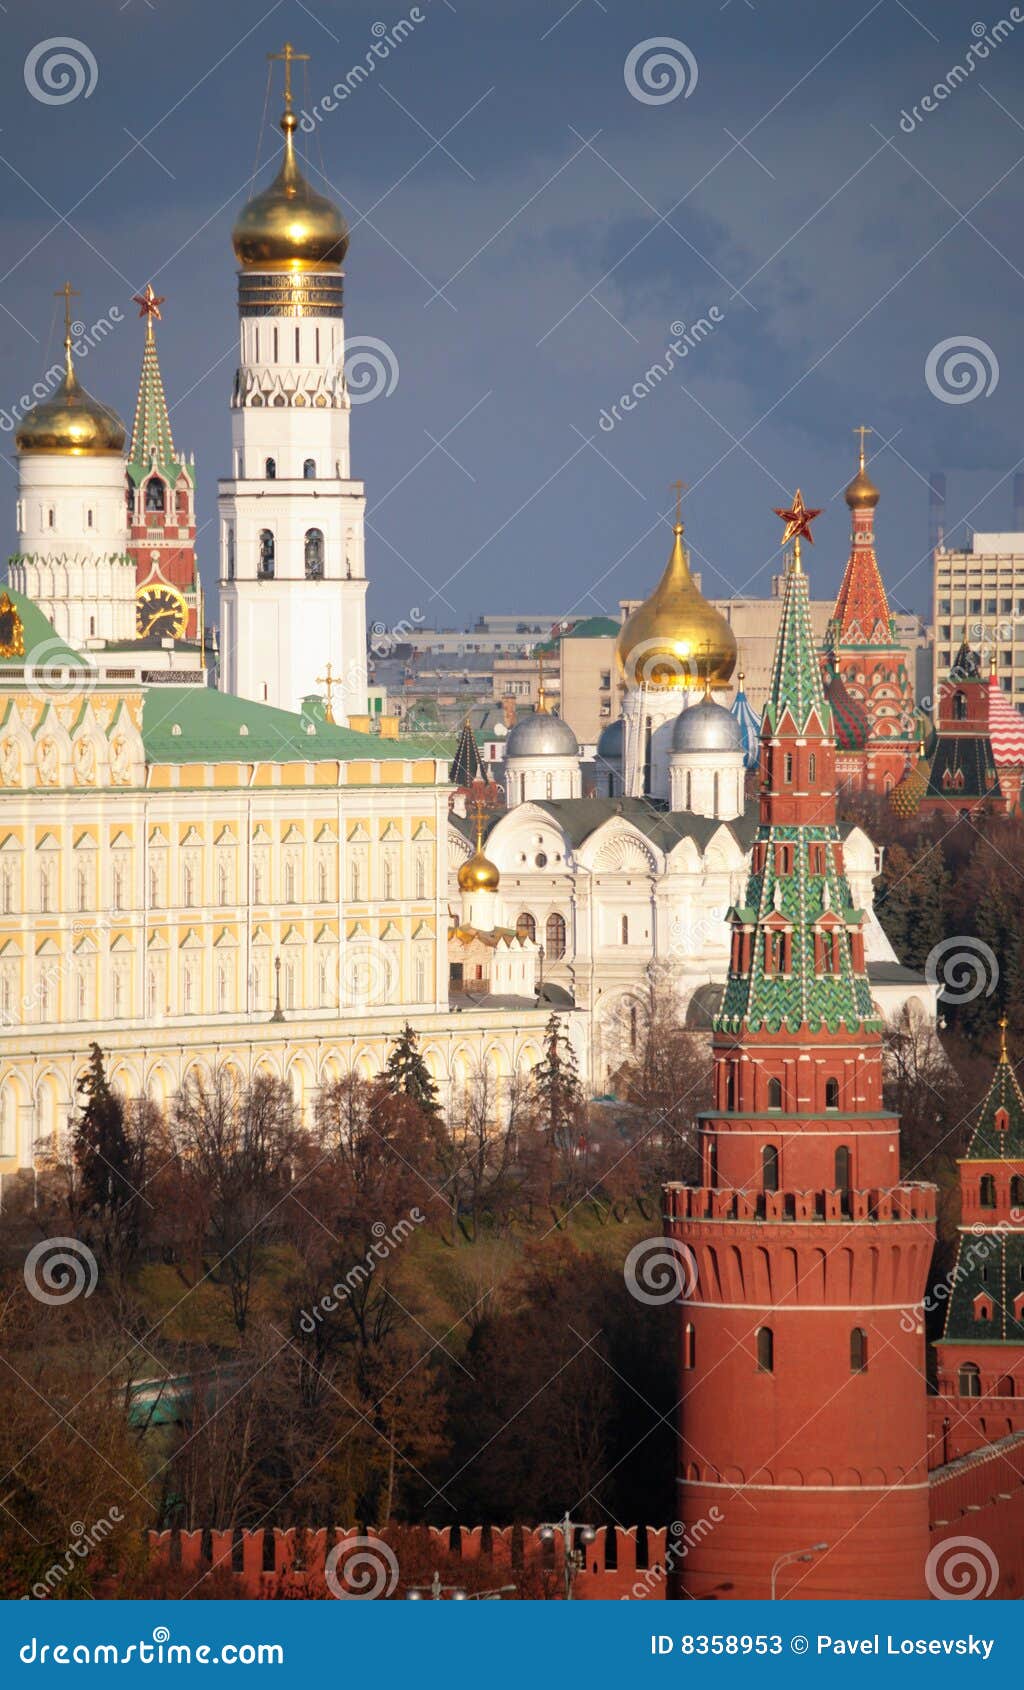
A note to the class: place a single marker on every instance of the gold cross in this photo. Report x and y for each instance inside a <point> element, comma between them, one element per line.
<point>326,679</point>
<point>289,57</point>
<point>678,487</point>
<point>542,703</point>
<point>67,293</point>
<point>862,431</point>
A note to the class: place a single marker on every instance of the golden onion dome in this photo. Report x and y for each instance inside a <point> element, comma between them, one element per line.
<point>479,874</point>
<point>71,421</point>
<point>288,226</point>
<point>676,638</point>
<point>862,494</point>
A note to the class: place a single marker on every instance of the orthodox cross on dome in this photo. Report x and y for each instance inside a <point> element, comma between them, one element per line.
<point>678,488</point>
<point>862,430</point>
<point>288,57</point>
<point>798,521</point>
<point>328,682</point>
<point>149,304</point>
<point>542,698</point>
<point>67,293</point>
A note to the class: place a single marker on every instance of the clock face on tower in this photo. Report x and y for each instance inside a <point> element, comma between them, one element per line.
<point>161,611</point>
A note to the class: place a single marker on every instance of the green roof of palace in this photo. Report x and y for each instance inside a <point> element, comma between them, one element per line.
<point>43,645</point>
<point>595,628</point>
<point>200,725</point>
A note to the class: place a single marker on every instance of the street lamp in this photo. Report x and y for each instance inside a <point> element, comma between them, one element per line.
<point>435,1591</point>
<point>574,1559</point>
<point>278,1014</point>
<point>792,1556</point>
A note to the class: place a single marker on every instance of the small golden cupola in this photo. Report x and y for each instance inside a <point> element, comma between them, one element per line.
<point>478,873</point>
<point>71,420</point>
<point>676,639</point>
<point>862,494</point>
<point>289,226</point>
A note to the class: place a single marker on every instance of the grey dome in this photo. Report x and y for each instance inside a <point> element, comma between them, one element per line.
<point>541,735</point>
<point>612,740</point>
<point>707,726</point>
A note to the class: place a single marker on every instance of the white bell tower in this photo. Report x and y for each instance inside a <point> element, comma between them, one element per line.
<point>292,577</point>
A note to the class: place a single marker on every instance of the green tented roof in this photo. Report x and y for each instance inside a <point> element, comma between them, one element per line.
<point>199,725</point>
<point>989,1142</point>
<point>989,1264</point>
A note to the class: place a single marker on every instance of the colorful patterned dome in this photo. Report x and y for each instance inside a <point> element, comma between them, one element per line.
<point>849,717</point>
<point>1005,728</point>
<point>750,726</point>
<point>905,798</point>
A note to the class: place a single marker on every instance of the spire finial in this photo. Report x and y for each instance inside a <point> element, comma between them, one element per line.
<point>478,817</point>
<point>862,430</point>
<point>542,702</point>
<point>1003,1024</point>
<point>678,488</point>
<point>149,304</point>
<point>798,521</point>
<point>328,681</point>
<point>67,293</point>
<point>288,56</point>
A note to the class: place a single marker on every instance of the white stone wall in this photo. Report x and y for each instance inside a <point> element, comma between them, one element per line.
<point>72,549</point>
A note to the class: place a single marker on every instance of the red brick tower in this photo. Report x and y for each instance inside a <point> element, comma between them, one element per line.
<point>161,507</point>
<point>803,1394</point>
<point>981,1353</point>
<point>864,652</point>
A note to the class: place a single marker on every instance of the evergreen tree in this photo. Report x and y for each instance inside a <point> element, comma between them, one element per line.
<point>556,1082</point>
<point>405,1071</point>
<point>110,1163</point>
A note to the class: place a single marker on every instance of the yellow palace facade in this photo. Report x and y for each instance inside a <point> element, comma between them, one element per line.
<point>188,877</point>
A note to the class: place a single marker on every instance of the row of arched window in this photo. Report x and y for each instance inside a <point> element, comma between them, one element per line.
<point>987,1191</point>
<point>554,933</point>
<point>765,1347</point>
<point>154,498</point>
<point>313,555</point>
<point>308,469</point>
<point>842,1168</point>
<point>969,1382</point>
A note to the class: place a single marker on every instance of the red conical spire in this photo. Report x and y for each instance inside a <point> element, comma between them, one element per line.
<point>861,616</point>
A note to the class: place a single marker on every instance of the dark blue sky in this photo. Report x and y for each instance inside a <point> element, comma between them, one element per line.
<point>835,263</point>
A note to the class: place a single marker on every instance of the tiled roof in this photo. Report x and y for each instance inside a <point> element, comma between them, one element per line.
<point>989,1265</point>
<point>989,1141</point>
<point>199,725</point>
<point>43,645</point>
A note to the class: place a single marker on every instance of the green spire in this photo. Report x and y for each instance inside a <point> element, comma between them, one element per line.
<point>796,670</point>
<point>151,432</point>
<point>999,1130</point>
<point>798,910</point>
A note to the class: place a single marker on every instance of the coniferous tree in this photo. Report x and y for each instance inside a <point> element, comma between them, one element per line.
<point>405,1071</point>
<point>556,1083</point>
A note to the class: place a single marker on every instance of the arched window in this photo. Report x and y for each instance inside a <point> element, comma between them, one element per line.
<point>689,1347</point>
<point>765,1350</point>
<point>314,554</point>
<point>987,1191</point>
<point>625,930</point>
<point>309,470</point>
<point>526,927</point>
<point>769,1167</point>
<point>959,707</point>
<point>812,769</point>
<point>1017,1191</point>
<point>787,767</point>
<point>858,1350</point>
<point>831,1094</point>
<point>270,470</point>
<point>554,933</point>
<point>156,494</point>
<point>969,1380</point>
<point>230,549</point>
<point>842,1168</point>
<point>266,554</point>
<point>775,1094</point>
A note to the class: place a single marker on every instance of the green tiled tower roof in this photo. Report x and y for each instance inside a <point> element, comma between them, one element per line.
<point>990,1142</point>
<point>802,997</point>
<point>151,432</point>
<point>991,1265</point>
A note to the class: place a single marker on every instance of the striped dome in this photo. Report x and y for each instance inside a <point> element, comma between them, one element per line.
<point>849,718</point>
<point>750,727</point>
<point>1005,728</point>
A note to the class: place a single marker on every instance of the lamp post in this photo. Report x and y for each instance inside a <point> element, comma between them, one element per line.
<point>435,1591</point>
<point>792,1556</point>
<point>278,1014</point>
<point>574,1559</point>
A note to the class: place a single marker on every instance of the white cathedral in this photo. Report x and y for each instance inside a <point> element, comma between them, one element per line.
<point>191,876</point>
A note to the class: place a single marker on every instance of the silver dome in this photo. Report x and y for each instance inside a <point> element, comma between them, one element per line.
<point>707,726</point>
<point>610,745</point>
<point>541,735</point>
